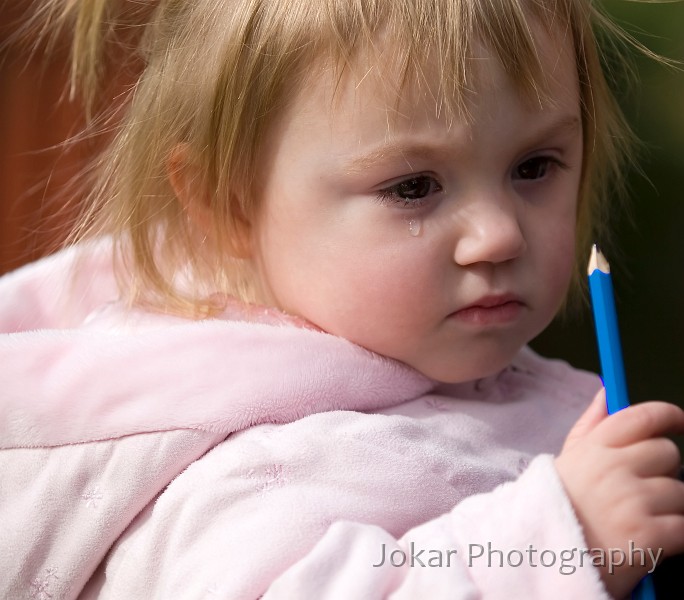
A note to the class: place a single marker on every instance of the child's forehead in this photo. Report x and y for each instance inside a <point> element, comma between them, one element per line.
<point>368,115</point>
<point>378,75</point>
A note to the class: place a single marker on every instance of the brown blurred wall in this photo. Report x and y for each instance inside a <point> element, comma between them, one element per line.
<point>34,165</point>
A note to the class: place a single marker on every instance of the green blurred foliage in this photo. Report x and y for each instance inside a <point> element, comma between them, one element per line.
<point>648,269</point>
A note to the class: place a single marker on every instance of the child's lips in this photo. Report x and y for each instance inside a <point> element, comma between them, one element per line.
<point>491,310</point>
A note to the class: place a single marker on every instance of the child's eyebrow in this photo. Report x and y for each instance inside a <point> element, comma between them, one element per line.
<point>393,151</point>
<point>400,150</point>
<point>566,125</point>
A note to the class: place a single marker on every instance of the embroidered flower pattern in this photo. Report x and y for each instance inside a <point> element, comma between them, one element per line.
<point>516,369</point>
<point>479,385</point>
<point>40,588</point>
<point>508,384</point>
<point>92,498</point>
<point>437,403</point>
<point>272,476</point>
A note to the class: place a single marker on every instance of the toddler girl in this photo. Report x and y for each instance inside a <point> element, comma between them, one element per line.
<point>289,357</point>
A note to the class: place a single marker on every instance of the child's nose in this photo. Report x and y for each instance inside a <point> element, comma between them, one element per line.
<point>490,231</point>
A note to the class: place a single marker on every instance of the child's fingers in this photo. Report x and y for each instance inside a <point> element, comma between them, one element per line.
<point>596,411</point>
<point>591,417</point>
<point>666,496</point>
<point>670,534</point>
<point>640,422</point>
<point>654,457</point>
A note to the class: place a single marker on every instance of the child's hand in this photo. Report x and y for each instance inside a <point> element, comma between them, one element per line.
<point>619,473</point>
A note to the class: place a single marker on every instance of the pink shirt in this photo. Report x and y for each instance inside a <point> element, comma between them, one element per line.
<point>148,456</point>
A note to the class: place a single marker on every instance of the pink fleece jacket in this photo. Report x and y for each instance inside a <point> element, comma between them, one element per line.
<point>146,456</point>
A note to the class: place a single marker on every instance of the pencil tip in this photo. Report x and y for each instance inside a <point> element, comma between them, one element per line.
<point>597,261</point>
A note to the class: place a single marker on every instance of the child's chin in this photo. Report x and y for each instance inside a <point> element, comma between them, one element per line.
<point>469,370</point>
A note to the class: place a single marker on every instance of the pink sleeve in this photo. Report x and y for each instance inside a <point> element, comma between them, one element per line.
<point>520,541</point>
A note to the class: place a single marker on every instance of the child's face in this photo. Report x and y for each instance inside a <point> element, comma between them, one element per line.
<point>383,224</point>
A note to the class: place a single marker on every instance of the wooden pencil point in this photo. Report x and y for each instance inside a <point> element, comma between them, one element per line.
<point>597,261</point>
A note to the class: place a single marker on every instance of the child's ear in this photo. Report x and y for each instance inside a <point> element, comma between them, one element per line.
<point>189,185</point>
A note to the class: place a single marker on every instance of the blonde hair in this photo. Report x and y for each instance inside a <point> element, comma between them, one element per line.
<point>217,74</point>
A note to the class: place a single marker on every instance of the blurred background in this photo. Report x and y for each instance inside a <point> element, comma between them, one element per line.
<point>648,272</point>
<point>35,209</point>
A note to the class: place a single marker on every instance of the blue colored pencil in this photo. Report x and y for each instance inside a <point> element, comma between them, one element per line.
<point>605,320</point>
<point>610,355</point>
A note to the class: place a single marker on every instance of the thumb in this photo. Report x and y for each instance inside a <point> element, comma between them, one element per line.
<point>592,416</point>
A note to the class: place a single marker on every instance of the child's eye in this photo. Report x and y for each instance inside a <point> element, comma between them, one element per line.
<point>535,168</point>
<point>410,192</point>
